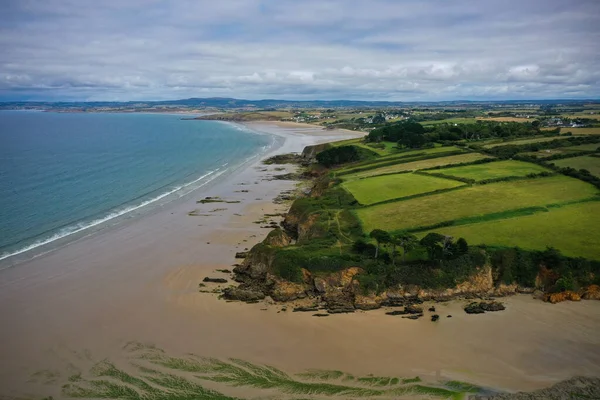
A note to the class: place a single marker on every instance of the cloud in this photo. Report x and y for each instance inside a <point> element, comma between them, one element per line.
<point>325,49</point>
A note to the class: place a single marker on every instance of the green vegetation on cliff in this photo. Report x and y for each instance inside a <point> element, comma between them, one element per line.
<point>440,206</point>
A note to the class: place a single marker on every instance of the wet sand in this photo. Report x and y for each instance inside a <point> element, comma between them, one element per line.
<point>139,282</point>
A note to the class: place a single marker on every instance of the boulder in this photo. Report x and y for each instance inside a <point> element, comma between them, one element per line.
<point>242,294</point>
<point>282,290</point>
<point>396,312</point>
<point>241,254</point>
<point>432,309</point>
<point>562,296</point>
<point>414,316</point>
<point>367,302</point>
<point>412,309</point>
<point>435,317</point>
<point>338,302</point>
<point>214,280</point>
<point>592,292</point>
<point>394,298</point>
<point>305,309</point>
<point>482,307</point>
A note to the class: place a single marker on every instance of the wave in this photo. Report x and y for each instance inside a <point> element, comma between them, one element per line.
<point>82,226</point>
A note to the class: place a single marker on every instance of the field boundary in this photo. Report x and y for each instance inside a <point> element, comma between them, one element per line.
<point>518,212</point>
<point>412,196</point>
<point>386,163</point>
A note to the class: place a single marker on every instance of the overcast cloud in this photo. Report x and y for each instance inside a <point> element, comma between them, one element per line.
<point>302,49</point>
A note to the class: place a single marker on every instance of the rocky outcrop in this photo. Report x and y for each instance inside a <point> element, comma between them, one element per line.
<point>310,152</point>
<point>562,296</point>
<point>282,290</point>
<point>241,293</point>
<point>277,238</point>
<point>367,302</point>
<point>482,307</point>
<point>338,290</point>
<point>592,292</point>
<point>214,280</point>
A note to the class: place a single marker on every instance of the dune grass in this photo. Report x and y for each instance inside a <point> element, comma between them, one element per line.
<point>590,163</point>
<point>416,165</point>
<point>573,229</point>
<point>474,201</point>
<point>381,188</point>
<point>493,170</point>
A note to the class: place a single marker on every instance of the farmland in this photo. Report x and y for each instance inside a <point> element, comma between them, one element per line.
<point>378,169</point>
<point>432,203</point>
<point>521,141</point>
<point>475,201</point>
<point>581,131</point>
<point>571,229</point>
<point>383,188</point>
<point>589,163</point>
<point>499,169</point>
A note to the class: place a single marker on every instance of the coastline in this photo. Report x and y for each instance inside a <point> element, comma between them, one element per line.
<point>139,282</point>
<point>71,233</point>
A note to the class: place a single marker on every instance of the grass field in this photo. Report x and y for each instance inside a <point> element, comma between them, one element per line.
<point>416,165</point>
<point>563,150</point>
<point>505,119</point>
<point>499,169</point>
<point>382,188</point>
<point>449,121</point>
<point>390,148</point>
<point>474,201</point>
<point>524,141</point>
<point>573,229</point>
<point>582,147</point>
<point>592,164</point>
<point>581,131</point>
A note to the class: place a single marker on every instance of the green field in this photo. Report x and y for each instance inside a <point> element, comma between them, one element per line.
<point>382,188</point>
<point>573,229</point>
<point>523,141</point>
<point>416,165</point>
<point>474,201</point>
<point>581,131</point>
<point>499,169</point>
<point>388,147</point>
<point>584,147</point>
<point>450,121</point>
<point>590,163</point>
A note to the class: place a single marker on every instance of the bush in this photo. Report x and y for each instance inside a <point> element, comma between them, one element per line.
<point>344,154</point>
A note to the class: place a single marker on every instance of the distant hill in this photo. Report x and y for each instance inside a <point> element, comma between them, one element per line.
<point>231,103</point>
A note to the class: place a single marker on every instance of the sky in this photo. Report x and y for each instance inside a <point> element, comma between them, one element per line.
<point>401,50</point>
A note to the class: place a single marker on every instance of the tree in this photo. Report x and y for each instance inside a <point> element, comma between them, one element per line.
<point>381,237</point>
<point>462,247</point>
<point>433,242</point>
<point>405,240</point>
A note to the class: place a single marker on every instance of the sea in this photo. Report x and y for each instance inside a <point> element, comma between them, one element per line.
<point>67,175</point>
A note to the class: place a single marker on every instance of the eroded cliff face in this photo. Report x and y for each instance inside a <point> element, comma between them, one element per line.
<point>340,291</point>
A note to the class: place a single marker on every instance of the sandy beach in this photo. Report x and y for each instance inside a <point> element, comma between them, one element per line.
<point>138,282</point>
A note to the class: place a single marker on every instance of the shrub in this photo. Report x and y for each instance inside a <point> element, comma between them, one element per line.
<point>344,154</point>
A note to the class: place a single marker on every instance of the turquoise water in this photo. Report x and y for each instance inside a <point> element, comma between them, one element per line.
<point>61,174</point>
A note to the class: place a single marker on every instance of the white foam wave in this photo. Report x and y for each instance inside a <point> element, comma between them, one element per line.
<point>76,228</point>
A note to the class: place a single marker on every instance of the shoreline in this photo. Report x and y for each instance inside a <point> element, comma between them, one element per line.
<point>65,236</point>
<point>139,283</point>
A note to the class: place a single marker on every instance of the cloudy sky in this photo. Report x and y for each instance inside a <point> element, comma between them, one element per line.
<point>301,49</point>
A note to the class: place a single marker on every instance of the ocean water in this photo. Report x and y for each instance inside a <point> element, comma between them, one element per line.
<point>66,174</point>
